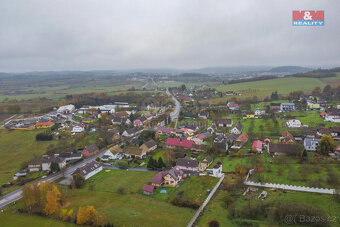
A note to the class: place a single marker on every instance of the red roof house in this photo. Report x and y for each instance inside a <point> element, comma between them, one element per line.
<point>243,137</point>
<point>148,189</point>
<point>175,142</point>
<point>157,180</point>
<point>201,136</point>
<point>323,114</point>
<point>257,145</point>
<point>137,123</point>
<point>90,150</point>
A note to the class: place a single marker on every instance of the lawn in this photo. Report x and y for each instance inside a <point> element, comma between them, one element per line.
<point>269,129</point>
<point>159,153</point>
<point>17,147</point>
<point>194,188</point>
<point>321,201</point>
<point>131,208</point>
<point>216,211</point>
<point>229,163</point>
<point>311,118</point>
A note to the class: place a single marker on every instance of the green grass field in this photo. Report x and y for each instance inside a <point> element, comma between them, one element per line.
<point>12,218</point>
<point>293,173</point>
<point>264,88</point>
<point>131,208</point>
<point>17,147</point>
<point>229,163</point>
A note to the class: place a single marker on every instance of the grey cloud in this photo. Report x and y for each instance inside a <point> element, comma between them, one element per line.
<point>111,34</point>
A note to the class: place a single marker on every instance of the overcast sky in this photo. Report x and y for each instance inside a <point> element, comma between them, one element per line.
<point>110,34</point>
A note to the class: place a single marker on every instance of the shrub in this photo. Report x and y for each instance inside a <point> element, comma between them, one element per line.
<point>78,180</point>
<point>123,165</point>
<point>185,203</point>
<point>121,190</point>
<point>44,136</point>
<point>214,223</point>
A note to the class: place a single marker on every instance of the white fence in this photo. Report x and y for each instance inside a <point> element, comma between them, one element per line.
<point>287,187</point>
<point>198,212</point>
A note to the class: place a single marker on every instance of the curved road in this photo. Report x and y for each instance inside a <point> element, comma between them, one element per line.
<point>16,195</point>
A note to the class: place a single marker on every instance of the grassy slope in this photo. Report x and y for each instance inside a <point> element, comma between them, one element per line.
<point>16,147</point>
<point>13,219</point>
<point>132,208</point>
<point>266,87</point>
<point>215,211</point>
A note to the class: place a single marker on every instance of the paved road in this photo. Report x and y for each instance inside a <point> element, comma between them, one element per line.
<point>16,195</point>
<point>174,114</point>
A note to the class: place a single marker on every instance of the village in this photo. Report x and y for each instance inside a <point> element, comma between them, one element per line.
<point>186,144</point>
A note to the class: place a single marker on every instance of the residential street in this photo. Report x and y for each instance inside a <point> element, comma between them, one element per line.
<point>16,195</point>
<point>174,114</point>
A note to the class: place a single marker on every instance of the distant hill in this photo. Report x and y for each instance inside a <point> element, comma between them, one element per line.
<point>231,69</point>
<point>290,69</point>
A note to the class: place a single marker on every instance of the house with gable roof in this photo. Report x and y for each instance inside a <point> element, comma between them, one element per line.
<point>88,170</point>
<point>237,129</point>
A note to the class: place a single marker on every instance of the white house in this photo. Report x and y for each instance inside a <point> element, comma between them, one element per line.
<point>77,129</point>
<point>46,163</point>
<point>259,112</point>
<point>66,109</point>
<point>132,131</point>
<point>216,171</point>
<point>311,144</point>
<point>287,107</point>
<point>333,115</point>
<point>34,165</point>
<point>294,123</point>
<point>237,129</point>
<point>88,170</point>
<point>120,120</point>
<point>109,156</point>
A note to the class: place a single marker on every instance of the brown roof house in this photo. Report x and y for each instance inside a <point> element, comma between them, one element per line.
<point>134,152</point>
<point>187,164</point>
<point>116,149</point>
<point>223,122</point>
<point>149,146</point>
<point>279,149</point>
<point>158,180</point>
<point>133,131</point>
<point>168,178</point>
